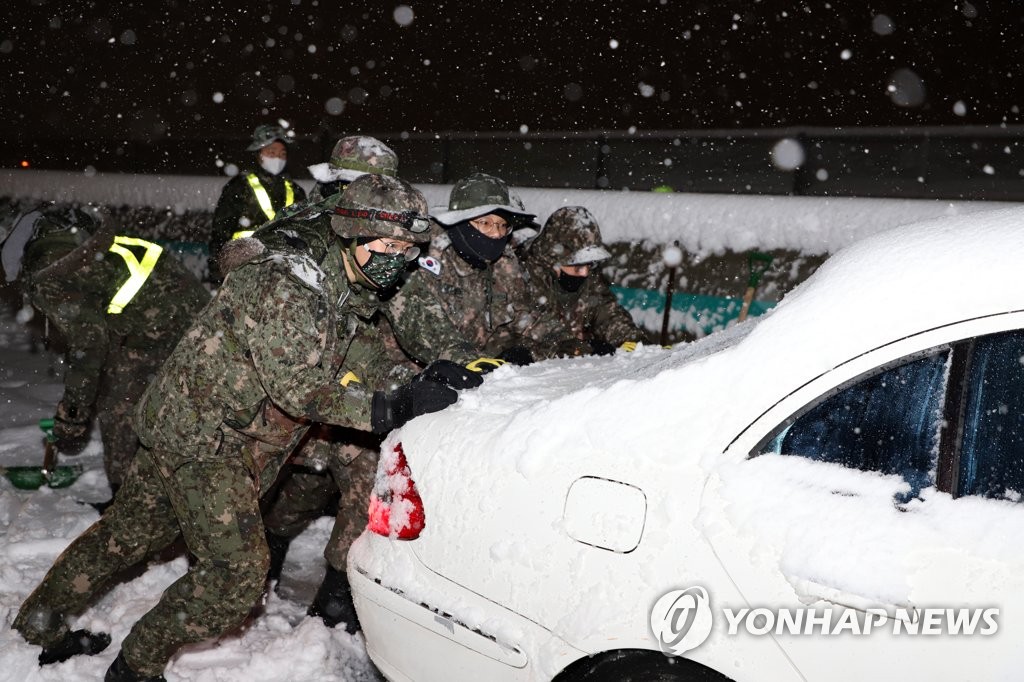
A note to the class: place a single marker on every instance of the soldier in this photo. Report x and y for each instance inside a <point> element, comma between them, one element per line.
<point>287,334</point>
<point>352,156</point>
<point>254,197</point>
<point>578,313</point>
<point>120,304</point>
<point>470,279</point>
<point>333,460</point>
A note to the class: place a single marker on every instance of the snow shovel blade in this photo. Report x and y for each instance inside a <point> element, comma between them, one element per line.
<point>33,478</point>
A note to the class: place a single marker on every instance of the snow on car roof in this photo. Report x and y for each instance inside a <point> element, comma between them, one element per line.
<point>892,285</point>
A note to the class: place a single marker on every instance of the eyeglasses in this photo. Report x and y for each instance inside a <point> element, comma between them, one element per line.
<point>491,225</point>
<point>395,248</point>
<point>410,220</point>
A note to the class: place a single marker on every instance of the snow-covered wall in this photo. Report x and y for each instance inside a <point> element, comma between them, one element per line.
<point>702,224</point>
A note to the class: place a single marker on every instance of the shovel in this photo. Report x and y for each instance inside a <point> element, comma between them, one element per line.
<point>33,478</point>
<point>757,264</point>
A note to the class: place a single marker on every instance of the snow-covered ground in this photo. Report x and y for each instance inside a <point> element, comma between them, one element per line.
<point>279,643</point>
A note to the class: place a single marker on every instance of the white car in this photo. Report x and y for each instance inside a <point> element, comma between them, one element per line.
<point>829,492</point>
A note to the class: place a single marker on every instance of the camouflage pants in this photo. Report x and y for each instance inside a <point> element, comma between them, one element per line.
<point>304,493</point>
<point>126,374</point>
<point>214,505</point>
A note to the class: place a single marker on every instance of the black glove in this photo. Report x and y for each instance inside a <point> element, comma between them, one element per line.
<point>391,410</point>
<point>450,374</point>
<point>601,347</point>
<point>517,355</point>
<point>71,427</point>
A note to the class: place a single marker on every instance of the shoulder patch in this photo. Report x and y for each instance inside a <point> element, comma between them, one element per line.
<point>441,242</point>
<point>430,264</point>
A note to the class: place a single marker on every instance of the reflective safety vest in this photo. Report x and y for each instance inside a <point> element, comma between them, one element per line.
<point>138,271</point>
<point>263,199</point>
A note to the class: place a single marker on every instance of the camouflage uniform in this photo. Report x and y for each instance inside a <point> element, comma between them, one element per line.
<point>337,465</point>
<point>271,353</point>
<point>486,306</point>
<point>110,358</point>
<point>336,461</point>
<point>568,320</point>
<point>344,463</point>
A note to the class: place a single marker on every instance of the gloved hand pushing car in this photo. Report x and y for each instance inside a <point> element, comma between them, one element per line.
<point>431,390</point>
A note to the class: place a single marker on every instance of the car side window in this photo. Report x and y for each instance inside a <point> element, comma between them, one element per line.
<point>888,422</point>
<point>992,450</point>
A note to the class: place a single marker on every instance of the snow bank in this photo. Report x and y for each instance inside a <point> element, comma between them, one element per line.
<point>700,223</point>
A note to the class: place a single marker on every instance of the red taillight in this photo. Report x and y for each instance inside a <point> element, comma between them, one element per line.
<point>396,509</point>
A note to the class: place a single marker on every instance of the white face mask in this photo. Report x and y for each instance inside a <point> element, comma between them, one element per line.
<point>272,165</point>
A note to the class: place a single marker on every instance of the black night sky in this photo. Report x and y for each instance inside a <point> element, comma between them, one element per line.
<point>189,70</point>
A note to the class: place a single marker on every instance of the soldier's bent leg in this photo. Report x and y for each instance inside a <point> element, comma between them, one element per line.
<point>140,521</point>
<point>300,500</point>
<point>127,372</point>
<point>333,601</point>
<point>217,507</point>
<point>355,481</point>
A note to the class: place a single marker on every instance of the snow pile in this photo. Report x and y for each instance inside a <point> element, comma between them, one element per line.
<point>701,223</point>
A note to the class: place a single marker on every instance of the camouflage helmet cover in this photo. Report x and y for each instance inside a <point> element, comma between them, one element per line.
<point>356,155</point>
<point>481,194</point>
<point>571,236</point>
<point>266,134</point>
<point>380,193</point>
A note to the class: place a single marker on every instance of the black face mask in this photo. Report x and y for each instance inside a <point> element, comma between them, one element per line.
<point>570,283</point>
<point>475,247</point>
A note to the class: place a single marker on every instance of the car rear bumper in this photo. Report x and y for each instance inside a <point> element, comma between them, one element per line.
<point>434,629</point>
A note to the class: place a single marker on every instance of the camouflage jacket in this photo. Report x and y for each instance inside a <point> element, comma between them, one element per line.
<point>238,209</point>
<point>286,331</point>
<point>71,277</point>
<point>447,309</point>
<point>590,313</point>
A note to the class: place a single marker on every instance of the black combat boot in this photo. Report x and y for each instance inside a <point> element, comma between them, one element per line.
<point>333,602</point>
<point>120,672</point>
<point>278,545</point>
<point>74,644</point>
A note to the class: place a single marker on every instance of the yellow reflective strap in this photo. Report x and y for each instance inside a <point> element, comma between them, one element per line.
<point>242,233</point>
<point>289,193</point>
<point>137,272</point>
<point>262,198</point>
<point>349,378</point>
<point>628,346</point>
<point>480,364</point>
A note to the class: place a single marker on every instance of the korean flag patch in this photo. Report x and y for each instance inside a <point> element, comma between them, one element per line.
<point>430,264</point>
